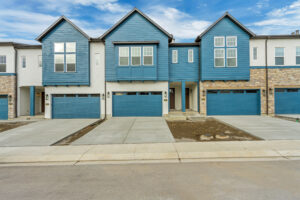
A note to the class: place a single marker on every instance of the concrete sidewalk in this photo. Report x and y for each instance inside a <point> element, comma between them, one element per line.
<point>175,152</point>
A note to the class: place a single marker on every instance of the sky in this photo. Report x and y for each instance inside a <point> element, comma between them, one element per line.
<point>23,20</point>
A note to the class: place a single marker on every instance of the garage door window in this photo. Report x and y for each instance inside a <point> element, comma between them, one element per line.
<point>2,63</point>
<point>292,90</point>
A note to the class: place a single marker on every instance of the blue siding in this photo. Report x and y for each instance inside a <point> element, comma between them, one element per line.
<point>65,32</point>
<point>136,28</point>
<point>3,107</point>
<point>32,100</point>
<point>287,101</point>
<point>75,107</point>
<point>233,103</point>
<point>225,28</point>
<point>137,105</point>
<point>183,70</point>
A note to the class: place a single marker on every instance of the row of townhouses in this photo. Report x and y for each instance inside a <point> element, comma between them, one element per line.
<point>136,69</point>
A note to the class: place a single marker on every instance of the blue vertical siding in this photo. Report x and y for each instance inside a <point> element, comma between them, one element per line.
<point>65,32</point>
<point>32,100</point>
<point>136,28</point>
<point>183,96</point>
<point>287,101</point>
<point>183,70</point>
<point>3,107</point>
<point>225,28</point>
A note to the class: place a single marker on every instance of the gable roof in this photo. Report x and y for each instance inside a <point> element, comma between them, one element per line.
<point>128,15</point>
<point>58,21</point>
<point>226,14</point>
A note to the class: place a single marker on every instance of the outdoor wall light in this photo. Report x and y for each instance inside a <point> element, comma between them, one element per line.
<point>203,93</point>
<point>103,96</point>
<point>9,98</point>
<point>47,97</point>
<point>165,94</point>
<point>108,94</point>
<point>264,92</point>
<point>270,91</point>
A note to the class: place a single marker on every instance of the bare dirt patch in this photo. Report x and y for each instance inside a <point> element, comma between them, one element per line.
<point>205,130</point>
<point>4,126</point>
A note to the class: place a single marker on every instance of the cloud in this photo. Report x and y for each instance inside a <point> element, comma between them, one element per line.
<point>182,25</point>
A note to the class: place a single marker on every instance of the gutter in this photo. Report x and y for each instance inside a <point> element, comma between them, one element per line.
<point>267,76</point>
<point>16,86</point>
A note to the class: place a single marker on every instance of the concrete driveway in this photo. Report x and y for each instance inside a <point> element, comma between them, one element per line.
<point>42,133</point>
<point>268,128</point>
<point>130,130</point>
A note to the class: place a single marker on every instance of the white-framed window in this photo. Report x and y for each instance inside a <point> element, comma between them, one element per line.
<point>219,57</point>
<point>231,57</point>
<point>59,62</point>
<point>297,55</point>
<point>23,61</point>
<point>279,56</point>
<point>174,56</point>
<point>123,56</point>
<point>136,56</point>
<point>219,41</point>
<point>40,61</point>
<point>254,51</point>
<point>71,62</point>
<point>71,47</point>
<point>190,55</point>
<point>147,55</point>
<point>2,63</point>
<point>231,41</point>
<point>59,47</point>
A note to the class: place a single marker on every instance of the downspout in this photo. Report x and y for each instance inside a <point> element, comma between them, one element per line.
<point>105,95</point>
<point>267,76</point>
<point>16,82</point>
<point>199,73</point>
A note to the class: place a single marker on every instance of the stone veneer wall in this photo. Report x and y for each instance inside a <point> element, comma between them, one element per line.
<point>278,78</point>
<point>8,87</point>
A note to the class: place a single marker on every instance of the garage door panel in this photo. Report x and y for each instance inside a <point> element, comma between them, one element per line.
<point>75,107</point>
<point>137,105</point>
<point>287,101</point>
<point>3,107</point>
<point>233,102</point>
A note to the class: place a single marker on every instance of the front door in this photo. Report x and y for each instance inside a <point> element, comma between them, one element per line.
<point>187,98</point>
<point>172,98</point>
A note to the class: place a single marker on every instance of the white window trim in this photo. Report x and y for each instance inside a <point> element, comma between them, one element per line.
<point>120,56</point>
<point>215,57</point>
<point>231,37</point>
<point>63,63</point>
<point>75,63</point>
<point>253,53</point>
<point>236,58</point>
<point>174,59</point>
<point>279,56</point>
<point>134,56</point>
<point>147,55</point>
<point>192,52</point>
<point>219,37</point>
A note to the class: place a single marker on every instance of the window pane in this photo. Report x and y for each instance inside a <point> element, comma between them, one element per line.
<point>136,61</point>
<point>231,53</point>
<point>219,42</point>
<point>59,47</point>
<point>40,61</point>
<point>174,56</point>
<point>190,55</point>
<point>219,53</point>
<point>298,60</point>
<point>23,61</point>
<point>124,55</point>
<point>279,52</point>
<point>71,47</point>
<point>231,41</point>
<point>219,62</point>
<point>71,62</point>
<point>298,51</point>
<point>231,62</point>
<point>124,61</point>
<point>2,59</point>
<point>279,61</point>
<point>59,63</point>
<point>254,53</point>
<point>136,55</point>
<point>2,67</point>
<point>148,60</point>
<point>148,55</point>
<point>148,51</point>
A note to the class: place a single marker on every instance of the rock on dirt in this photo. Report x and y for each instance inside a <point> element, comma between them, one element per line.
<point>206,137</point>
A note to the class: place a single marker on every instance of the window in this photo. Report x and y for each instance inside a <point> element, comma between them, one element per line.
<point>40,61</point>
<point>219,41</point>
<point>59,62</point>
<point>2,63</point>
<point>123,56</point>
<point>148,55</point>
<point>136,56</point>
<point>219,58</point>
<point>23,60</point>
<point>254,53</point>
<point>70,47</point>
<point>279,56</point>
<point>297,55</point>
<point>71,62</point>
<point>231,57</point>
<point>97,58</point>
<point>59,47</point>
<point>190,55</point>
<point>231,41</point>
<point>174,56</point>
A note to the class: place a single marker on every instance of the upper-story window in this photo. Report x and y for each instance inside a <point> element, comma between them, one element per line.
<point>23,61</point>
<point>65,57</point>
<point>231,57</point>
<point>40,63</point>
<point>219,41</point>
<point>190,55</point>
<point>123,56</point>
<point>148,55</point>
<point>2,63</point>
<point>136,56</point>
<point>279,56</point>
<point>174,56</point>
<point>231,41</point>
<point>254,53</point>
<point>219,57</point>
<point>297,55</point>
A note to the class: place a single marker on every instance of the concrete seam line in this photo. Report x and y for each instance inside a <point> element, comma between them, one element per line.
<point>129,131</point>
<point>178,157</point>
<point>281,154</point>
<point>78,160</point>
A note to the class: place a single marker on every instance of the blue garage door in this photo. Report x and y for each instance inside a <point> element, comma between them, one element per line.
<point>3,107</point>
<point>287,101</point>
<point>137,104</point>
<point>69,106</point>
<point>233,102</point>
